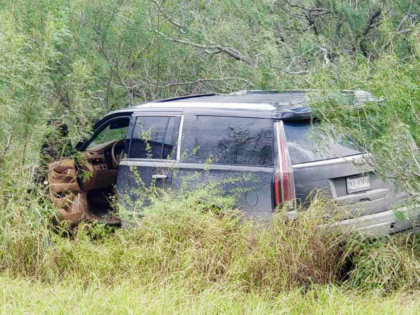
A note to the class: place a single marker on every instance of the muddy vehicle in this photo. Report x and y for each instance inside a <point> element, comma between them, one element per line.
<point>262,134</point>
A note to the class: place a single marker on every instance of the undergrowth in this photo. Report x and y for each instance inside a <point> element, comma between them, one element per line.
<point>201,248</point>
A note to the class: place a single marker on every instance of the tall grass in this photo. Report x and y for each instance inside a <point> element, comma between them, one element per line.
<point>188,248</point>
<point>388,264</point>
<point>198,248</point>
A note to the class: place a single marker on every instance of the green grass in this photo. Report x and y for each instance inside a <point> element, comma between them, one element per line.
<point>186,256</point>
<point>22,296</point>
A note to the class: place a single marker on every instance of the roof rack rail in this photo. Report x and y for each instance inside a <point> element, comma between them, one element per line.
<point>359,96</point>
<point>250,92</point>
<point>184,97</point>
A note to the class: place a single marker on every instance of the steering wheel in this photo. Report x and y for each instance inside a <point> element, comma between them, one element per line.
<point>114,158</point>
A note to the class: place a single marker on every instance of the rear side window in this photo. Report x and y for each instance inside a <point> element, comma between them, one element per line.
<point>307,144</point>
<point>234,140</point>
<point>155,138</point>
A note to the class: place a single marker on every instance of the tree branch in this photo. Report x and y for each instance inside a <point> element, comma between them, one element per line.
<point>116,73</point>
<point>7,146</point>
<point>291,72</point>
<point>404,19</point>
<point>168,85</point>
<point>279,29</point>
<point>168,18</point>
<point>374,21</point>
<point>308,13</point>
<point>211,49</point>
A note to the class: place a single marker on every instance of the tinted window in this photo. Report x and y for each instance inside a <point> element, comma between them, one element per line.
<point>155,138</point>
<point>234,140</point>
<point>307,144</point>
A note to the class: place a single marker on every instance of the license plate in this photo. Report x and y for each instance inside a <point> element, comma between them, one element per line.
<point>357,183</point>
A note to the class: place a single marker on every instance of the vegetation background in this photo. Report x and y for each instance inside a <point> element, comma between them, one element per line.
<point>72,61</point>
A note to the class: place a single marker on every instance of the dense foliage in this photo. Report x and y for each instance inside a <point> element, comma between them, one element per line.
<point>74,61</point>
<point>71,61</point>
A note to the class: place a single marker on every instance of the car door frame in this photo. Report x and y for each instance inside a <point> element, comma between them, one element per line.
<point>162,169</point>
<point>98,127</point>
<point>190,165</point>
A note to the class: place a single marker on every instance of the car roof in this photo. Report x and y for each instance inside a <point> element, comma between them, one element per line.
<point>248,97</point>
<point>283,105</point>
<point>258,100</point>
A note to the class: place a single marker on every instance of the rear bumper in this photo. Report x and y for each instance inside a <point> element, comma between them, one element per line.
<point>383,223</point>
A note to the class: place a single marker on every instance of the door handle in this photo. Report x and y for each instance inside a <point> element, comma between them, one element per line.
<point>159,176</point>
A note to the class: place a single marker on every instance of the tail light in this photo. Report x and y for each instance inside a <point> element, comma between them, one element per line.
<point>284,184</point>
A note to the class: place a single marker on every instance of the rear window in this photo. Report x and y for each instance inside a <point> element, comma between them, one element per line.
<point>307,144</point>
<point>155,138</point>
<point>234,140</point>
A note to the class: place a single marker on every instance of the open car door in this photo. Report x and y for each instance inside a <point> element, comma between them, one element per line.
<point>65,192</point>
<point>90,197</point>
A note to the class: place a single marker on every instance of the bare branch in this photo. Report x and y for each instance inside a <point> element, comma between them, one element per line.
<point>320,10</point>
<point>208,48</point>
<point>374,21</point>
<point>170,19</point>
<point>308,13</point>
<point>291,72</point>
<point>211,48</point>
<point>402,9</point>
<point>339,25</point>
<point>118,15</point>
<point>299,29</point>
<point>233,52</point>
<point>168,85</point>
<point>404,19</point>
<point>399,29</point>
<point>295,5</point>
<point>280,33</point>
<point>116,73</point>
<point>7,146</point>
<point>406,30</point>
<point>290,12</point>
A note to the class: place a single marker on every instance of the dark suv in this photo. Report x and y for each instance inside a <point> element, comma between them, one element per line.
<point>265,137</point>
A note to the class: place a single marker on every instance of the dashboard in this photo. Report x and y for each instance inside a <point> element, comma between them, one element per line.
<point>101,166</point>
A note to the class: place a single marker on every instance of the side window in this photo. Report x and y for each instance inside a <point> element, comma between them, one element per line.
<point>234,140</point>
<point>307,144</point>
<point>155,137</point>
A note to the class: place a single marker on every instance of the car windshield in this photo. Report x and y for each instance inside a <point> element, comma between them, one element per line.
<point>115,130</point>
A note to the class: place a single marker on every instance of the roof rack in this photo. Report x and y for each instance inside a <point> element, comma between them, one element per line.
<point>251,92</point>
<point>184,97</point>
<point>359,96</point>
